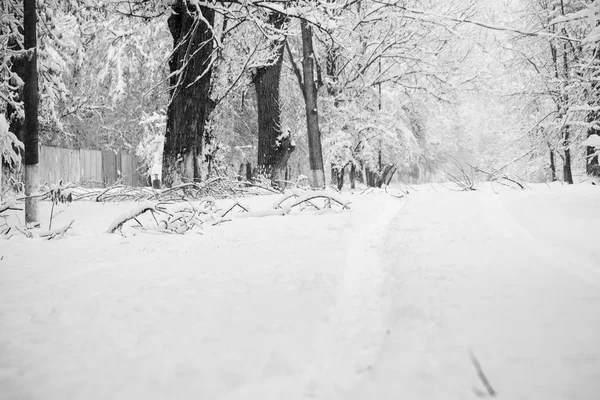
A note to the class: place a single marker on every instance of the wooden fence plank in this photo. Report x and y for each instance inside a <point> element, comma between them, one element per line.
<point>94,167</point>
<point>109,168</point>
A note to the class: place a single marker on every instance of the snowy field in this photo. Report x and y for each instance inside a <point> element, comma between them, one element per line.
<point>438,295</point>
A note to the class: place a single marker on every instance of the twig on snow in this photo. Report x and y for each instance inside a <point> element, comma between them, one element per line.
<point>482,375</point>
<point>58,232</point>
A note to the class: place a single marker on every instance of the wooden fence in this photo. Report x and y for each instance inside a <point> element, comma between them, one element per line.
<point>91,167</point>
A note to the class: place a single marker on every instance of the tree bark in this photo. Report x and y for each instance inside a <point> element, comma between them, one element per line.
<point>274,148</point>
<point>552,165</point>
<point>30,103</point>
<point>190,104</point>
<point>352,176</point>
<point>317,174</point>
<point>592,167</point>
<point>340,179</point>
<point>567,173</point>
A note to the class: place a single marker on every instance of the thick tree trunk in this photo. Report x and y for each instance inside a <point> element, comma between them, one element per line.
<point>317,174</point>
<point>30,102</point>
<point>274,147</point>
<point>190,105</point>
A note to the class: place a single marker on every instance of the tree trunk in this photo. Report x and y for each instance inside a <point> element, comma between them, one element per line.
<point>592,167</point>
<point>552,165</point>
<point>30,102</point>
<point>340,179</point>
<point>274,148</point>
<point>315,151</point>
<point>190,104</point>
<point>567,174</point>
<point>248,172</point>
<point>352,176</point>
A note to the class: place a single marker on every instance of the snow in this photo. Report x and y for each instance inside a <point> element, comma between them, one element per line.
<point>593,140</point>
<point>385,301</point>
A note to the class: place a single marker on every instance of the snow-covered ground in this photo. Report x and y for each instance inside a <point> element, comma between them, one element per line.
<point>424,297</point>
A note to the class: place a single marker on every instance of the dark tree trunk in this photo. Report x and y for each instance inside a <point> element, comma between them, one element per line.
<point>30,103</point>
<point>352,176</point>
<point>372,177</point>
<point>190,104</point>
<point>384,177</point>
<point>567,174</point>
<point>592,167</point>
<point>340,179</point>
<point>274,149</point>
<point>317,174</point>
<point>333,175</point>
<point>248,171</point>
<point>552,165</point>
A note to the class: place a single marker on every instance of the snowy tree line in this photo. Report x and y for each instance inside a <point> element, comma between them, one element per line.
<point>353,88</point>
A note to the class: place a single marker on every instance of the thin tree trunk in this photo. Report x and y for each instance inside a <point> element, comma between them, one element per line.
<point>30,102</point>
<point>274,148</point>
<point>190,104</point>
<point>552,165</point>
<point>317,174</point>
<point>567,173</point>
<point>352,176</point>
<point>592,167</point>
<point>340,179</point>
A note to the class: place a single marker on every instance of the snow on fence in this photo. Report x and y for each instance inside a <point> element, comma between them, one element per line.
<point>93,167</point>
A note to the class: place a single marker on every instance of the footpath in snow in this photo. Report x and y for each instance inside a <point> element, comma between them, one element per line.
<point>494,295</point>
<point>440,295</point>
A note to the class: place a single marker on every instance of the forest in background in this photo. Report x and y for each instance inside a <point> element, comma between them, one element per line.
<point>416,87</point>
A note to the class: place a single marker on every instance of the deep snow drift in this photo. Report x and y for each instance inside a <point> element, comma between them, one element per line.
<point>439,295</point>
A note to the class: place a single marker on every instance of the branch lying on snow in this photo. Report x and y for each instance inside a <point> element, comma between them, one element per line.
<point>264,213</point>
<point>26,232</point>
<point>488,387</point>
<point>8,205</point>
<point>498,175</point>
<point>217,187</point>
<point>465,181</point>
<point>182,217</point>
<point>131,214</point>
<point>300,196</point>
<point>58,232</point>
<point>236,204</point>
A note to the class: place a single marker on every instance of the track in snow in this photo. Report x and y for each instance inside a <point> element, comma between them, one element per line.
<point>470,278</point>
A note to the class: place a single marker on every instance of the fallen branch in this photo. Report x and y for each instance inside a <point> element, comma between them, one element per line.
<point>481,375</point>
<point>301,196</point>
<point>495,175</point>
<point>58,232</point>
<point>8,205</point>
<point>131,214</point>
